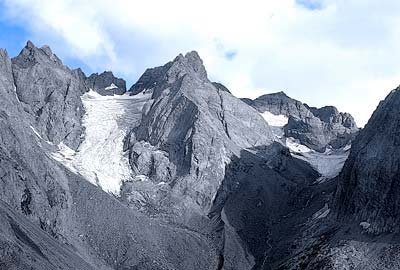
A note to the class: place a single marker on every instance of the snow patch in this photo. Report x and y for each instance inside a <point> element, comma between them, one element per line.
<point>16,95</point>
<point>39,136</point>
<point>365,225</point>
<point>328,164</point>
<point>347,147</point>
<point>36,133</point>
<point>65,155</point>
<point>112,86</point>
<point>141,178</point>
<point>296,147</point>
<point>275,120</point>
<point>322,213</point>
<point>145,93</point>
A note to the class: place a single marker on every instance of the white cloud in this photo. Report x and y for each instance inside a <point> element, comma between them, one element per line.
<point>343,53</point>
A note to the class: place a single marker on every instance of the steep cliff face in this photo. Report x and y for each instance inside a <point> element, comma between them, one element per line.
<point>199,179</point>
<point>317,128</point>
<point>50,92</point>
<point>280,103</point>
<point>24,245</point>
<point>329,114</point>
<point>208,161</point>
<point>31,183</point>
<point>106,84</point>
<point>368,185</point>
<point>53,217</point>
<point>361,228</point>
<point>190,129</point>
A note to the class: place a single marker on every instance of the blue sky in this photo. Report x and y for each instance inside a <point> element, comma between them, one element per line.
<point>322,52</point>
<point>14,35</point>
<point>311,4</point>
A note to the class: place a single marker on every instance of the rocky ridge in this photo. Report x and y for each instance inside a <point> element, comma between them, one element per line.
<point>317,128</point>
<point>361,230</point>
<point>210,161</point>
<point>211,186</point>
<point>101,231</point>
<point>106,84</point>
<point>368,183</point>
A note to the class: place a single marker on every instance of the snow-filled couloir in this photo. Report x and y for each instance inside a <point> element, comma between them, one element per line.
<point>328,164</point>
<point>100,157</point>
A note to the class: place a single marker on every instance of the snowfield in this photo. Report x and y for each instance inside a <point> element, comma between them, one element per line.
<point>276,122</point>
<point>328,164</point>
<point>112,86</point>
<point>100,158</point>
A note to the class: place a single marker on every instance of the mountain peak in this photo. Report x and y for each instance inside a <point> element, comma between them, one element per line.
<point>193,57</point>
<point>3,53</point>
<point>31,55</point>
<point>280,93</point>
<point>220,86</point>
<point>30,45</point>
<point>306,123</point>
<point>276,95</point>
<point>47,50</point>
<point>190,63</point>
<point>106,83</point>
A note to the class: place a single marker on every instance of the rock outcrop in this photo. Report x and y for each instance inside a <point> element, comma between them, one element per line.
<point>317,128</point>
<point>208,185</point>
<point>368,184</point>
<point>190,129</point>
<point>360,230</point>
<point>209,162</point>
<point>50,92</point>
<point>106,84</point>
<point>53,217</point>
<point>221,87</point>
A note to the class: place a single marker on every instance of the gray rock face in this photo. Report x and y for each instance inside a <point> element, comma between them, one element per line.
<point>23,245</point>
<point>72,223</point>
<point>150,78</point>
<point>280,103</point>
<point>106,84</point>
<point>368,184</point>
<point>211,163</point>
<point>211,188</point>
<point>50,92</point>
<point>362,230</point>
<point>258,193</point>
<point>221,87</point>
<point>329,114</point>
<point>190,130</point>
<point>316,128</point>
